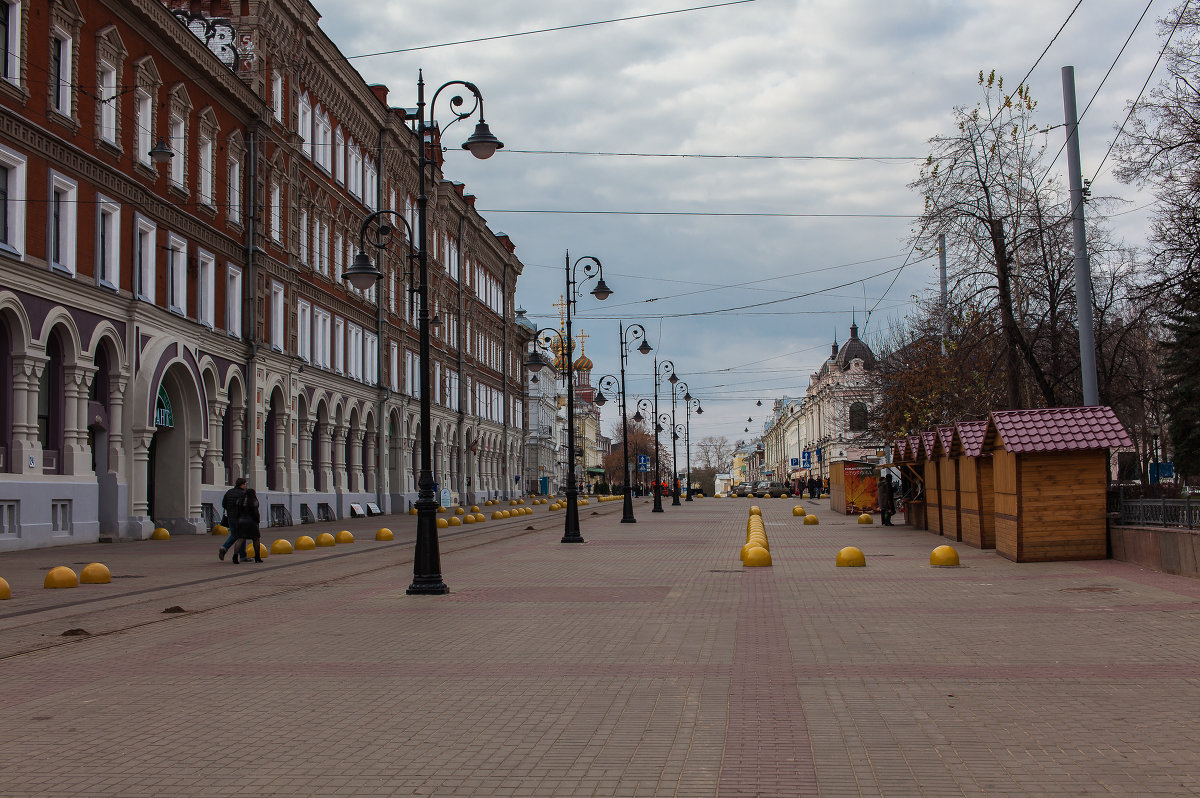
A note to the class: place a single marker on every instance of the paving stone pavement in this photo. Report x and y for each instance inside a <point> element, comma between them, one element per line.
<point>646,662</point>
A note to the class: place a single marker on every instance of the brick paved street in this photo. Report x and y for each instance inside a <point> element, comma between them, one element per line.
<point>646,662</point>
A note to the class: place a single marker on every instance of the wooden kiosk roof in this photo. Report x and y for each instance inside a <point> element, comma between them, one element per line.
<point>972,434</point>
<point>1055,429</point>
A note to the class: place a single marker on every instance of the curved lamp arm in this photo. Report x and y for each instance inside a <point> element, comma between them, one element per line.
<point>482,144</point>
<point>592,268</point>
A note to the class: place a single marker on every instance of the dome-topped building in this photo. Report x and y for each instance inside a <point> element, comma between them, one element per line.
<point>855,348</point>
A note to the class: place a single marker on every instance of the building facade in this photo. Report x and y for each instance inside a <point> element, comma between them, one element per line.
<point>168,327</point>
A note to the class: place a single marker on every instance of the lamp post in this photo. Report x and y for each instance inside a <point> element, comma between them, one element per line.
<point>427,567</point>
<point>687,437</point>
<point>627,336</point>
<point>676,385</point>
<point>650,407</point>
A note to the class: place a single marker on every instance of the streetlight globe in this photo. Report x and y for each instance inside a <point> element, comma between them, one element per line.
<point>638,417</point>
<point>699,411</point>
<point>362,274</point>
<point>161,152</point>
<point>674,378</point>
<point>601,291</point>
<point>482,144</point>
<point>645,348</point>
<point>600,399</point>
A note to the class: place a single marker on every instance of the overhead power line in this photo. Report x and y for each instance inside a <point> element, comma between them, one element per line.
<point>767,215</point>
<point>743,156</point>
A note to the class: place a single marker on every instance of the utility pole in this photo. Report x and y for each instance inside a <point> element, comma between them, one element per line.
<point>945,285</point>
<point>1083,269</point>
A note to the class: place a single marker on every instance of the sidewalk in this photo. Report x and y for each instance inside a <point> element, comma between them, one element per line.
<point>644,662</point>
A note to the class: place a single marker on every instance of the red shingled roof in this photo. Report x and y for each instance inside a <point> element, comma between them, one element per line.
<point>928,439</point>
<point>972,433</point>
<point>1057,429</point>
<point>914,441</point>
<point>946,439</point>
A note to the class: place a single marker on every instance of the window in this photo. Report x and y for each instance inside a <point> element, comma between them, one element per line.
<point>234,211</point>
<point>304,125</point>
<point>276,212</point>
<point>354,353</point>
<point>177,274</point>
<point>337,256</point>
<point>304,330</point>
<point>394,367</point>
<point>108,243</point>
<point>321,329</point>
<point>322,140</point>
<point>204,152</point>
<point>60,241</point>
<point>107,99</point>
<point>12,201</point>
<point>339,346</point>
<point>858,417</point>
<point>339,156</point>
<point>145,126</point>
<point>206,287</point>
<point>277,312</point>
<point>304,237</point>
<point>277,94</point>
<point>371,358</point>
<point>10,40</point>
<point>233,300</point>
<point>60,517</point>
<point>60,72</point>
<point>145,245</point>
<point>177,130</point>
<point>370,187</point>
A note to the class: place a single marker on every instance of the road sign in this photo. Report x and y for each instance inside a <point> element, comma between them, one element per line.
<point>806,459</point>
<point>795,462</point>
<point>643,462</point>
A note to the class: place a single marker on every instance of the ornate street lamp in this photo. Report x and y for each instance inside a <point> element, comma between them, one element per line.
<point>427,567</point>
<point>628,335</point>
<point>679,389</point>
<point>687,437</point>
<point>649,407</point>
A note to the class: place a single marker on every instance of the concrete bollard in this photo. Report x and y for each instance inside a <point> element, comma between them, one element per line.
<point>384,534</point>
<point>851,557</point>
<point>345,536</point>
<point>95,573</point>
<point>305,543</point>
<point>944,557</point>
<point>866,518</point>
<point>281,546</point>
<point>60,577</point>
<point>324,540</point>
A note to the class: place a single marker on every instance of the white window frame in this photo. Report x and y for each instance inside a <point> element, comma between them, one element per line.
<point>354,346</point>
<point>107,100</point>
<point>394,366</point>
<point>68,207</point>
<point>324,248</point>
<point>144,104</point>
<point>177,287</point>
<point>15,204</point>
<point>145,257</point>
<point>233,300</point>
<point>177,133</point>
<point>277,94</point>
<point>11,68</point>
<point>278,309</point>
<point>339,156</point>
<point>304,124</point>
<point>337,256</point>
<point>204,180</point>
<point>63,102</point>
<point>234,211</point>
<point>371,358</point>
<point>206,288</point>
<point>304,236</point>
<point>304,330</point>
<point>108,242</point>
<point>321,331</point>
<point>276,211</point>
<point>339,345</point>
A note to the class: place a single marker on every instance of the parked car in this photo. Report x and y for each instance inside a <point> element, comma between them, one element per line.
<point>772,489</point>
<point>744,489</point>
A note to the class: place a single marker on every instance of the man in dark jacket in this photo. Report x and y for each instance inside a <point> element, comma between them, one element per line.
<point>887,500</point>
<point>229,505</point>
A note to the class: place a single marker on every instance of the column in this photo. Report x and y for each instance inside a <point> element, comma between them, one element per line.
<point>305,482</point>
<point>282,453</point>
<point>214,464</point>
<point>116,427</point>
<point>237,436</point>
<point>324,434</point>
<point>373,469</point>
<point>27,375</point>
<point>355,464</point>
<point>77,459</point>
<point>339,459</point>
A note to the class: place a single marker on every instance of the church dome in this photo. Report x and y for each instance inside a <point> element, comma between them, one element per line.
<point>583,363</point>
<point>855,348</point>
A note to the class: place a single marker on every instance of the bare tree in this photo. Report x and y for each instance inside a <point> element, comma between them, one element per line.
<point>715,454</point>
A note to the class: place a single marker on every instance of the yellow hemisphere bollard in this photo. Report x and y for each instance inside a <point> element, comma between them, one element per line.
<point>459,511</point>
<point>811,519</point>
<point>757,557</point>
<point>474,508</point>
<point>95,573</point>
<point>248,550</point>
<point>384,534</point>
<point>281,546</point>
<point>943,557</point>
<point>325,539</point>
<point>61,577</point>
<point>442,523</point>
<point>469,518</point>
<point>305,543</point>
<point>454,520</point>
<point>160,534</point>
<point>866,518</point>
<point>480,518</point>
<point>755,510</point>
<point>799,511</point>
<point>5,590</point>
<point>851,557</point>
<point>345,536</point>
<point>496,516</point>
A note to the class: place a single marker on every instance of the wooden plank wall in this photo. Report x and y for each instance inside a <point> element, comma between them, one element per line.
<point>987,510</point>
<point>1062,509</point>
<point>1004,475</point>
<point>978,500</point>
<point>933,501</point>
<point>837,487</point>
<point>948,493</point>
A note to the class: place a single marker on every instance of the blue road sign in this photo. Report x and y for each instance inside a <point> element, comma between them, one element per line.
<point>795,462</point>
<point>643,461</point>
<point>806,460</point>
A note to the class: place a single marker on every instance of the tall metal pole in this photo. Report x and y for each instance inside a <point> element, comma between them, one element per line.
<point>945,286</point>
<point>687,444</point>
<point>1083,270</point>
<point>427,563</point>
<point>658,508</point>
<point>674,453</point>
<point>627,505</point>
<point>571,532</point>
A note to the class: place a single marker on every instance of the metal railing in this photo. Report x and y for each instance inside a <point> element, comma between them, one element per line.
<point>1154,512</point>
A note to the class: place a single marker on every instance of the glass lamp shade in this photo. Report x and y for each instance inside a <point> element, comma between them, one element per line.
<point>482,144</point>
<point>601,400</point>
<point>638,417</point>
<point>645,348</point>
<point>362,274</point>
<point>161,152</point>
<point>601,291</point>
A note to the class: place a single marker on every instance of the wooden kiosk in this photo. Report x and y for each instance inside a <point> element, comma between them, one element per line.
<point>977,498</point>
<point>911,486</point>
<point>1050,475</point>
<point>853,487</point>
<point>927,460</point>
<point>948,450</point>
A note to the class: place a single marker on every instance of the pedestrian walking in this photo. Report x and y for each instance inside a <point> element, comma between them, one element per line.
<point>246,526</point>
<point>887,500</point>
<point>229,504</point>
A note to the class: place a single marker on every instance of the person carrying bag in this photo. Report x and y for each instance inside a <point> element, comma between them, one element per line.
<point>246,526</point>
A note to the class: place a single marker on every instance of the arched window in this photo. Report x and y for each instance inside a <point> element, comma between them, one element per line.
<point>858,417</point>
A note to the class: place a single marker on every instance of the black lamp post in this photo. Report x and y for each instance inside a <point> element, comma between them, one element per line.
<point>427,567</point>
<point>650,407</point>
<point>627,335</point>
<point>687,437</point>
<point>676,385</point>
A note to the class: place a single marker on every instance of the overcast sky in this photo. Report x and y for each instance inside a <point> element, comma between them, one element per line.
<point>821,78</point>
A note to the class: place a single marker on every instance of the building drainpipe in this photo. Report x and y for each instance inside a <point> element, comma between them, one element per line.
<point>462,403</point>
<point>504,383</point>
<point>250,302</point>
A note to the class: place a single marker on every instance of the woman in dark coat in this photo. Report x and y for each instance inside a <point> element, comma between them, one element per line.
<point>246,526</point>
<point>887,500</point>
